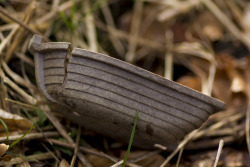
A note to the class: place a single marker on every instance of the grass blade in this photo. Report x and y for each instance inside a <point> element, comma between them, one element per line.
<point>72,12</point>
<point>131,140</point>
<point>15,142</point>
<point>6,129</point>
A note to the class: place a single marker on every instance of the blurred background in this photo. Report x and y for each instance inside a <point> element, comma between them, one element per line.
<point>203,44</point>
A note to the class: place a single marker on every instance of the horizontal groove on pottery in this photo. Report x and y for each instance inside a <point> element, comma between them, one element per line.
<point>55,55</point>
<point>145,111</point>
<point>103,113</point>
<point>139,96</point>
<point>136,99</point>
<point>141,89</point>
<point>53,71</point>
<point>120,132</point>
<point>140,80</point>
<point>53,63</point>
<point>110,61</point>
<point>144,108</point>
<point>53,79</point>
<point>119,108</point>
<point>50,87</point>
<point>51,84</point>
<point>165,127</point>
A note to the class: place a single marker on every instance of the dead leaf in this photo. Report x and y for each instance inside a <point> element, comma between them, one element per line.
<point>64,163</point>
<point>98,162</point>
<point>210,26</point>
<point>236,158</point>
<point>238,84</point>
<point>221,88</point>
<point>151,161</point>
<point>3,148</point>
<point>203,163</point>
<point>13,121</point>
<point>191,82</point>
<point>246,18</point>
<point>24,164</point>
<point>6,158</point>
<point>204,159</point>
<point>229,84</point>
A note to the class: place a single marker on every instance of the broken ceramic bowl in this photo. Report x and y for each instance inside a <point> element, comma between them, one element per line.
<point>103,94</point>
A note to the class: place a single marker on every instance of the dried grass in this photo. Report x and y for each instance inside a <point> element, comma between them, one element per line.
<point>123,37</point>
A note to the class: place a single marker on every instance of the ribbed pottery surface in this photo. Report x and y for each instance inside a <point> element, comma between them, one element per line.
<point>106,93</point>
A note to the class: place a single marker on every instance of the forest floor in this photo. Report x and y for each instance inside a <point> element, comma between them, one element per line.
<point>203,44</point>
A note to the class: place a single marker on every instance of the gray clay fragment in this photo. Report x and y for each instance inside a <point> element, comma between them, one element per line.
<point>103,94</point>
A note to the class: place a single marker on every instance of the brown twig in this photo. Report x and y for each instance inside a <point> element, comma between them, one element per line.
<point>83,149</point>
<point>31,158</point>
<point>33,31</point>
<point>145,156</point>
<point>180,146</point>
<point>110,22</point>
<point>90,27</point>
<point>76,146</point>
<point>63,132</point>
<point>179,157</point>
<point>218,153</point>
<point>244,38</point>
<point>27,97</point>
<point>134,30</point>
<point>18,79</point>
<point>247,124</point>
<point>121,161</point>
<point>53,13</point>
<point>20,32</point>
<point>25,58</point>
<point>22,104</point>
<point>48,150</point>
<point>175,8</point>
<point>97,153</point>
<point>8,38</point>
<point>168,72</point>
<point>30,136</point>
<point>123,35</point>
